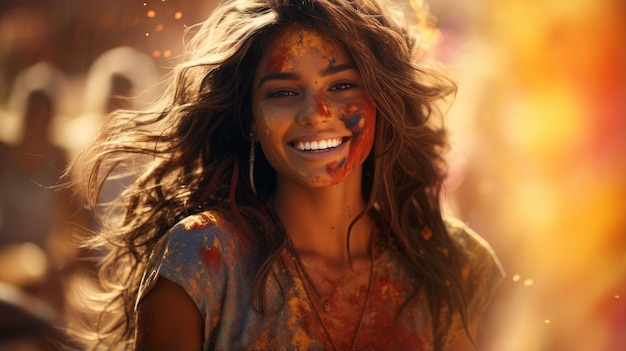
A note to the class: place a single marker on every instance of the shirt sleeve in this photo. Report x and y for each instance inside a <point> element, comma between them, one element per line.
<point>483,272</point>
<point>194,255</point>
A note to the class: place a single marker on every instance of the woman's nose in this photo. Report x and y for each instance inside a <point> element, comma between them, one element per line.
<point>314,111</point>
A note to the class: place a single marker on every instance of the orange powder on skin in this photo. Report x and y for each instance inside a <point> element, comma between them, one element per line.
<point>360,118</point>
<point>294,45</point>
<point>321,106</point>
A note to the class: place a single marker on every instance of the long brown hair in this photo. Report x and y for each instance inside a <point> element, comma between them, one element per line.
<point>193,150</point>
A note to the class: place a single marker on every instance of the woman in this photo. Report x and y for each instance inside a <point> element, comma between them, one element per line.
<point>291,194</point>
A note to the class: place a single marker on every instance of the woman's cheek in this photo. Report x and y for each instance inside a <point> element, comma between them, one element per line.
<point>360,118</point>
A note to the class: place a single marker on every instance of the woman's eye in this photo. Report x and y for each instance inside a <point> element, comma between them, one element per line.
<point>281,93</point>
<point>342,86</point>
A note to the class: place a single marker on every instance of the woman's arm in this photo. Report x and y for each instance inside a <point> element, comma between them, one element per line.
<point>168,319</point>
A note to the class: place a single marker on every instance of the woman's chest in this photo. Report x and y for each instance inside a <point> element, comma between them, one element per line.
<point>368,312</point>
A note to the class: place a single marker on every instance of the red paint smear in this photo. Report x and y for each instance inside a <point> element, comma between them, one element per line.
<point>211,257</point>
<point>276,62</point>
<point>362,140</point>
<point>321,106</point>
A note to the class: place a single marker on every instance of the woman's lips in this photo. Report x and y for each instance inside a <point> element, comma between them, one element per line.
<point>318,145</point>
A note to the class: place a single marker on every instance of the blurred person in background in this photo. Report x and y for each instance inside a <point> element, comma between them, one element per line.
<point>122,77</point>
<point>33,216</point>
<point>27,323</point>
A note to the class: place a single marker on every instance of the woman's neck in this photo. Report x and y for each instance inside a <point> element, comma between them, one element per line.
<point>317,219</point>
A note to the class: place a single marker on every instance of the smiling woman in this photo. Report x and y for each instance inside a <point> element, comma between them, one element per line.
<point>312,115</point>
<point>335,240</point>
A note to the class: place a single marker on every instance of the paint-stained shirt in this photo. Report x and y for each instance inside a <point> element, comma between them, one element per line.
<point>217,268</point>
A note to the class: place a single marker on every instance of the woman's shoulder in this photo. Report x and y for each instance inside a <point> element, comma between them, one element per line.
<point>478,250</point>
<point>202,250</point>
<point>208,229</point>
<point>469,240</point>
<point>483,271</point>
<point>212,238</point>
<point>206,222</point>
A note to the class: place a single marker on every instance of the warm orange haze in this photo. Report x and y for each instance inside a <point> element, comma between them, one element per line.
<point>537,163</point>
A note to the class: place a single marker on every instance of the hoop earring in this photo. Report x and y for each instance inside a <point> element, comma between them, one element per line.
<point>251,161</point>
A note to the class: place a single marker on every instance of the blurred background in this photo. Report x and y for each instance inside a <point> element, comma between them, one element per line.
<point>537,165</point>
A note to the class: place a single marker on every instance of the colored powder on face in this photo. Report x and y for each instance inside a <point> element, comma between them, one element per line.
<point>334,166</point>
<point>278,59</point>
<point>353,122</point>
<point>321,106</point>
<point>360,118</point>
<point>295,46</point>
<point>316,180</point>
<point>276,62</point>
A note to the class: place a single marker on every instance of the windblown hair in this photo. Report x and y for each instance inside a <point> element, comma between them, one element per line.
<point>194,146</point>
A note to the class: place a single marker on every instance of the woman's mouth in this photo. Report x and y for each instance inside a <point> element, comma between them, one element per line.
<point>318,145</point>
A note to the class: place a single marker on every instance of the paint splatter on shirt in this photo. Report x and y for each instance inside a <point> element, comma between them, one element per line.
<point>217,270</point>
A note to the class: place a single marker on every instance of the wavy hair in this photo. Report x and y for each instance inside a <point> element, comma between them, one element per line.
<point>192,149</point>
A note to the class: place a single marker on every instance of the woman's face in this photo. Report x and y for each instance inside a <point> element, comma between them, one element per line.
<point>312,115</point>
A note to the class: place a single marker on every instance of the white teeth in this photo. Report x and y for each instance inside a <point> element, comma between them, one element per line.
<point>318,145</point>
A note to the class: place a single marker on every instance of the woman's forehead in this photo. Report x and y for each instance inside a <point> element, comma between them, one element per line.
<point>299,42</point>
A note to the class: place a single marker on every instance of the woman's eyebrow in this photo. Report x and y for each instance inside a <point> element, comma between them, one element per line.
<point>332,69</point>
<point>279,76</point>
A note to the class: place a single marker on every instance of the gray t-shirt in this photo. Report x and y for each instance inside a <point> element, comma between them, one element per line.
<point>216,267</point>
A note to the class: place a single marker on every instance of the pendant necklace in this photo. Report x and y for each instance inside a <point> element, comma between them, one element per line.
<point>307,281</point>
